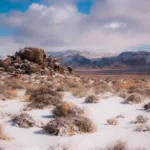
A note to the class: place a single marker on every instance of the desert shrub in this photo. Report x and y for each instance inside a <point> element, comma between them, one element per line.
<point>122,95</point>
<point>67,110</point>
<point>119,145</point>
<point>3,135</point>
<point>147,106</point>
<point>3,91</point>
<point>59,126</point>
<point>43,97</point>
<point>6,92</point>
<point>15,84</point>
<point>126,85</point>
<point>69,126</point>
<point>141,119</point>
<point>142,128</point>
<point>80,91</point>
<point>60,147</point>
<point>23,120</point>
<point>112,122</point>
<point>100,88</point>
<point>92,99</point>
<point>134,99</point>
<point>84,124</point>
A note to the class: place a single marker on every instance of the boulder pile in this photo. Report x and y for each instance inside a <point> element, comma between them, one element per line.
<point>33,60</point>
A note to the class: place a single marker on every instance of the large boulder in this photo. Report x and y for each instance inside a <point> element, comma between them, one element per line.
<point>32,54</point>
<point>5,63</point>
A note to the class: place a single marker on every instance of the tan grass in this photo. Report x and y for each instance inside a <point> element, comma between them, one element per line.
<point>81,91</point>
<point>112,122</point>
<point>3,135</point>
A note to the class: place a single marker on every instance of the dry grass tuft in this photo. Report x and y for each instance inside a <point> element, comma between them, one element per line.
<point>143,128</point>
<point>68,126</point>
<point>134,99</point>
<point>27,98</point>
<point>112,122</point>
<point>67,110</point>
<point>126,85</point>
<point>84,124</point>
<point>23,120</point>
<point>3,135</point>
<point>147,106</point>
<point>119,145</point>
<point>92,99</point>
<point>141,119</point>
<point>80,91</point>
<point>59,126</point>
<point>44,97</point>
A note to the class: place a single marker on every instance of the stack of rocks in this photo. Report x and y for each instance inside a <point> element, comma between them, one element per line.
<point>33,60</point>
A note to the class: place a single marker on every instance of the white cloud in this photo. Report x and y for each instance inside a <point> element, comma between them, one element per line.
<point>114,25</point>
<point>60,26</point>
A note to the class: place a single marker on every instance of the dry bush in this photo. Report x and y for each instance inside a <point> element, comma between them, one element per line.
<point>141,119</point>
<point>6,92</point>
<point>15,84</point>
<point>142,128</point>
<point>27,98</point>
<point>134,99</point>
<point>84,124</point>
<point>3,135</point>
<point>100,88</point>
<point>122,94</point>
<point>147,106</point>
<point>119,145</point>
<point>60,147</point>
<point>44,97</point>
<point>92,99</point>
<point>59,126</point>
<point>23,120</point>
<point>68,126</point>
<point>126,85</point>
<point>80,91</point>
<point>112,122</point>
<point>67,110</point>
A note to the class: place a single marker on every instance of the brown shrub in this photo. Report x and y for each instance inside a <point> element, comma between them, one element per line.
<point>92,99</point>
<point>141,119</point>
<point>44,97</point>
<point>67,110</point>
<point>59,126</point>
<point>6,92</point>
<point>3,135</point>
<point>15,84</point>
<point>147,106</point>
<point>143,128</point>
<point>84,124</point>
<point>69,126</point>
<point>80,91</point>
<point>119,145</point>
<point>23,120</point>
<point>134,99</point>
<point>100,88</point>
<point>112,122</point>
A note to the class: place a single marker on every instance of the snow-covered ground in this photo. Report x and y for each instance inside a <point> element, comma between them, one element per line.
<point>108,107</point>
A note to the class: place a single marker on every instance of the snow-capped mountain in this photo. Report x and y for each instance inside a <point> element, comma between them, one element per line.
<point>139,59</point>
<point>86,54</point>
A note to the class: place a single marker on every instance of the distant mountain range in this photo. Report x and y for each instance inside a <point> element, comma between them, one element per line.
<point>85,59</point>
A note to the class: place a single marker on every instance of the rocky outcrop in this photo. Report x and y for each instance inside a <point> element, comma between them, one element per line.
<point>33,60</point>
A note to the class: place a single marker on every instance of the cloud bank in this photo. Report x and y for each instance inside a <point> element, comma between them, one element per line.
<point>111,26</point>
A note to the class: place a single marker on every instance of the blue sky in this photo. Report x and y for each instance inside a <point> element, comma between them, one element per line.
<point>22,5</point>
<point>95,25</point>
